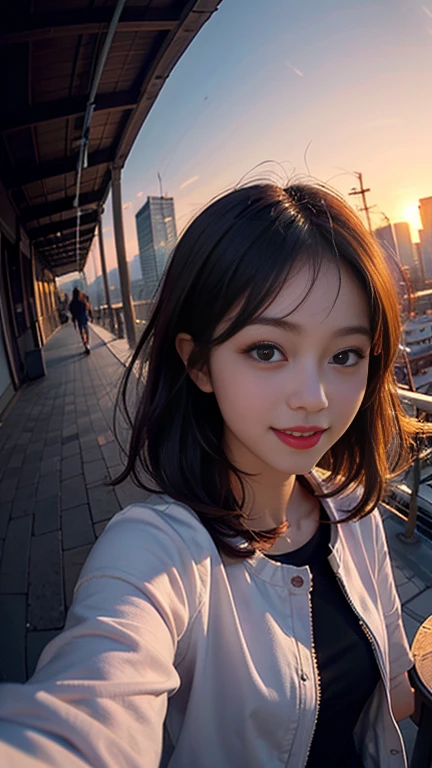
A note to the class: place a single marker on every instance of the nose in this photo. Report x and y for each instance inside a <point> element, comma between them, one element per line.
<point>305,389</point>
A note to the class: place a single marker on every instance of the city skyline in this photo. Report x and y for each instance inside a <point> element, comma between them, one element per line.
<point>315,91</point>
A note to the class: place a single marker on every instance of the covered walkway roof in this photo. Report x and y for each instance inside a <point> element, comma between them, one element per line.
<point>49,52</point>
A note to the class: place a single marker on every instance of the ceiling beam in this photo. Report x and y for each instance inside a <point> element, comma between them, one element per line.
<point>61,109</point>
<point>54,208</point>
<point>66,240</point>
<point>28,174</point>
<point>66,225</point>
<point>39,26</point>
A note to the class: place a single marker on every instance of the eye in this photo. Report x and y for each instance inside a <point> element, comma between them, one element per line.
<point>347,358</point>
<point>265,353</point>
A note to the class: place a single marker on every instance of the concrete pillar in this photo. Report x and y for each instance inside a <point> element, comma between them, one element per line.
<point>128,308</point>
<point>104,274</point>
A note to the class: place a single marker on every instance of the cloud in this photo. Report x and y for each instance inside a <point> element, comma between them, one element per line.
<point>427,11</point>
<point>126,206</point>
<point>188,182</point>
<point>140,194</point>
<point>294,69</point>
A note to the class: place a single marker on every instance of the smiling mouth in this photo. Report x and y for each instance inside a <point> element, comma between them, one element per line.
<point>300,434</point>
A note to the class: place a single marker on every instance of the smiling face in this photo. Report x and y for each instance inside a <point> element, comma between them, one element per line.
<point>298,369</point>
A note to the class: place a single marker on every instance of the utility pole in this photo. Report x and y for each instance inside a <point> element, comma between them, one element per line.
<point>362,191</point>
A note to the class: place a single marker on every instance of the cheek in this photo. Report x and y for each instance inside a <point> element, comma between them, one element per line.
<point>240,393</point>
<point>348,394</point>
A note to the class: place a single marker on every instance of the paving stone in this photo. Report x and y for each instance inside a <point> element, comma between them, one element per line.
<point>73,492</point>
<point>70,449</point>
<point>411,626</point>
<point>5,513</point>
<point>50,465</point>
<point>111,454</point>
<point>13,569</point>
<point>73,561</point>
<point>71,438</point>
<point>95,471</point>
<point>421,605</point>
<point>47,515</point>
<point>29,473</point>
<point>12,641</point>
<point>128,493</point>
<point>24,501</point>
<point>399,576</point>
<point>71,467</point>
<point>100,527</point>
<point>36,642</point>
<point>50,452</point>
<point>53,442</point>
<point>48,485</point>
<point>103,503</point>
<point>407,591</point>
<point>16,459</point>
<point>91,453</point>
<point>45,601</point>
<point>7,489</point>
<point>77,527</point>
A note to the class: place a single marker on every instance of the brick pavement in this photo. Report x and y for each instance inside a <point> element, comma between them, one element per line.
<point>57,450</point>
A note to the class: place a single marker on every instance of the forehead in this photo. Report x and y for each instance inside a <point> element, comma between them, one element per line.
<point>334,297</point>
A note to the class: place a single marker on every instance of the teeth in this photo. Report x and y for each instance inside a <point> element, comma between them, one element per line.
<point>298,434</point>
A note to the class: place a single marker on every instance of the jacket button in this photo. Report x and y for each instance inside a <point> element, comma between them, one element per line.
<point>394,751</point>
<point>297,581</point>
<point>304,677</point>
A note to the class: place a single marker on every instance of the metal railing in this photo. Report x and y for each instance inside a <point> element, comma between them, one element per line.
<point>114,321</point>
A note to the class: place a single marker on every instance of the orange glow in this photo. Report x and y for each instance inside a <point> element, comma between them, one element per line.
<point>410,213</point>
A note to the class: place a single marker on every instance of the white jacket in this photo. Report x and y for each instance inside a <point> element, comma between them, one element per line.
<point>163,630</point>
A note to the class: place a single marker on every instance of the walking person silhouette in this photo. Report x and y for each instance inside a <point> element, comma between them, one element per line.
<point>78,309</point>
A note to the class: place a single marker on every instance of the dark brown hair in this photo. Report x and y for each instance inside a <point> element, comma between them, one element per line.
<point>233,259</point>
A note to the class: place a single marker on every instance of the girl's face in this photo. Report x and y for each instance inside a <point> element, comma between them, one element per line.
<point>302,371</point>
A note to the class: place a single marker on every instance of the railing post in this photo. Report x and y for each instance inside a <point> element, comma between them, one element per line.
<point>104,274</point>
<point>129,314</point>
<point>120,324</point>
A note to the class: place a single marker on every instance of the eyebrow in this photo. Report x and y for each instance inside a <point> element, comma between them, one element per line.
<point>288,325</point>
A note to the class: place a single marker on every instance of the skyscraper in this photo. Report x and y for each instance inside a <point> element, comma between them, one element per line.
<point>386,239</point>
<point>425,235</point>
<point>157,236</point>
<point>404,244</point>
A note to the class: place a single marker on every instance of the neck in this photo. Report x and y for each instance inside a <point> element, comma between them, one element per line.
<point>269,505</point>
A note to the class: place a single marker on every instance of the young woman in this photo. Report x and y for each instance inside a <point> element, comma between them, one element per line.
<point>245,615</point>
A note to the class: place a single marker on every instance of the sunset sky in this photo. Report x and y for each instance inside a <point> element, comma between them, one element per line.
<point>263,81</point>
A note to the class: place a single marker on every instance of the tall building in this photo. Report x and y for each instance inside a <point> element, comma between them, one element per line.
<point>404,244</point>
<point>387,241</point>
<point>425,234</point>
<point>157,236</point>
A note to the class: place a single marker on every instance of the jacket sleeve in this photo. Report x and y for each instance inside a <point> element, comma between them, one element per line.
<point>399,651</point>
<point>99,694</point>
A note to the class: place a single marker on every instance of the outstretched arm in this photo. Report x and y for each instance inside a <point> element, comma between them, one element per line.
<point>100,691</point>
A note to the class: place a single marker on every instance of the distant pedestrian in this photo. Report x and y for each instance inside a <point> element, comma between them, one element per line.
<point>79,309</point>
<point>245,614</point>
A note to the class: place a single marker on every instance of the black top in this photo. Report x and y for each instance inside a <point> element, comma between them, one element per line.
<point>346,663</point>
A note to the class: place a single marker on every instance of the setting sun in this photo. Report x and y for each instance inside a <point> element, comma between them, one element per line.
<point>410,213</point>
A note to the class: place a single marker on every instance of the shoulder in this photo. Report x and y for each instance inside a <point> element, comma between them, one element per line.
<point>339,507</point>
<point>146,540</point>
